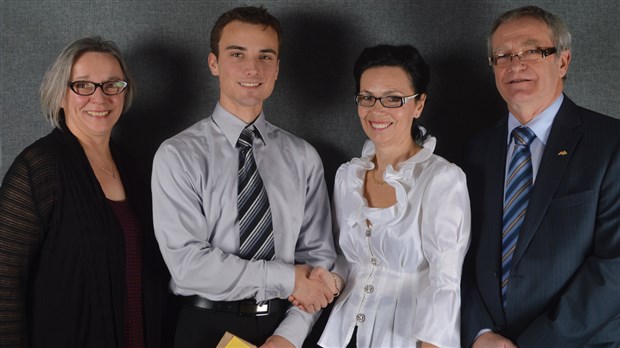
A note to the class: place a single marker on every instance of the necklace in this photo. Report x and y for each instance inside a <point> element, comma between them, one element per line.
<point>105,170</point>
<point>375,180</point>
<point>92,161</point>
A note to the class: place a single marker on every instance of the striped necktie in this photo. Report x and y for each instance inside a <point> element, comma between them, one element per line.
<point>255,228</point>
<point>516,196</point>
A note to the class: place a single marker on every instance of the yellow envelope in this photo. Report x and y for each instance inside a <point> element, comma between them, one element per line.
<point>231,341</point>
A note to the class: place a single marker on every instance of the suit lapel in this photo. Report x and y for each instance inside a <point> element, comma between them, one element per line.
<point>563,140</point>
<point>490,241</point>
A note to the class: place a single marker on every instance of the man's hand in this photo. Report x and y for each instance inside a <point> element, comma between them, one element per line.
<point>277,342</point>
<point>310,294</point>
<point>493,340</point>
<point>329,279</point>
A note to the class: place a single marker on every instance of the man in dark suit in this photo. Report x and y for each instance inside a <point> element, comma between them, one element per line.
<point>543,269</point>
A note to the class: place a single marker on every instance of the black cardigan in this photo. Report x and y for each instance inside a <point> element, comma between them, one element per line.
<point>62,255</point>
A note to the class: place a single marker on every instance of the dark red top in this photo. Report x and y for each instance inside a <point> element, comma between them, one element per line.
<point>134,333</point>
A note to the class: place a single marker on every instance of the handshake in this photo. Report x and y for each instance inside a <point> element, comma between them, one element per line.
<point>315,288</point>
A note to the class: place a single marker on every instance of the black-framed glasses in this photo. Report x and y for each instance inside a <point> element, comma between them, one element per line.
<point>530,55</point>
<point>390,101</point>
<point>87,88</point>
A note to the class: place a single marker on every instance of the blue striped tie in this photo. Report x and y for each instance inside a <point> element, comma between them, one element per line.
<point>516,196</point>
<point>255,228</point>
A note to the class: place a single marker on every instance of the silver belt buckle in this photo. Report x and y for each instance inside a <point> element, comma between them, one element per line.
<point>262,309</point>
<point>254,309</point>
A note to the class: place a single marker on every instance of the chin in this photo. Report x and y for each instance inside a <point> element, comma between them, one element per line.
<point>517,97</point>
<point>251,101</point>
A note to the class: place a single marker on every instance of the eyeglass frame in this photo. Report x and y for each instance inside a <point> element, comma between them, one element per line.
<point>100,85</point>
<point>545,52</point>
<point>403,100</point>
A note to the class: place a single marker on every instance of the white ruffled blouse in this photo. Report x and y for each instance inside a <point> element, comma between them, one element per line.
<point>403,272</point>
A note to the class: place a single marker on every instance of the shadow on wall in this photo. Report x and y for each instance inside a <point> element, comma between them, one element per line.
<point>316,85</point>
<point>462,101</point>
<point>313,97</point>
<point>169,92</point>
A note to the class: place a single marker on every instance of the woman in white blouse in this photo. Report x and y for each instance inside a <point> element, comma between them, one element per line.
<point>402,217</point>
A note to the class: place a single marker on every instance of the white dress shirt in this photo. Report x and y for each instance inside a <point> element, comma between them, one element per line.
<point>403,281</point>
<point>195,212</point>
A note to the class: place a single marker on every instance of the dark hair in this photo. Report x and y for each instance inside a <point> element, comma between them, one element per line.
<point>406,57</point>
<point>247,14</point>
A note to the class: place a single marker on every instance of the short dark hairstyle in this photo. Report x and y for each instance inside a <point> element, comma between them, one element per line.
<point>406,57</point>
<point>246,14</point>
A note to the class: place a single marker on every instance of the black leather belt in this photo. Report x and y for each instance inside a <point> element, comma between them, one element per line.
<point>243,307</point>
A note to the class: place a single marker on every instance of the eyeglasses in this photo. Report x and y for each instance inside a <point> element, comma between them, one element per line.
<point>86,88</point>
<point>390,101</point>
<point>531,55</point>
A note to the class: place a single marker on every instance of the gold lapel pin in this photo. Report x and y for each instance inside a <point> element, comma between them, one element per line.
<point>562,153</point>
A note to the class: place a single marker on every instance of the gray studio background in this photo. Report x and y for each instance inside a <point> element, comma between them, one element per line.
<point>166,45</point>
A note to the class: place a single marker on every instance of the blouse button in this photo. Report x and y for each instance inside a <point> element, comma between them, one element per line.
<point>374,261</point>
<point>369,289</point>
<point>360,317</point>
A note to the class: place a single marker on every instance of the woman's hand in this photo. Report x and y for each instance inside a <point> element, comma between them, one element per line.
<point>330,280</point>
<point>310,294</point>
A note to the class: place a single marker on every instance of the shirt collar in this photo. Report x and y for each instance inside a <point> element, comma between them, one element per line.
<point>232,126</point>
<point>428,147</point>
<point>541,124</point>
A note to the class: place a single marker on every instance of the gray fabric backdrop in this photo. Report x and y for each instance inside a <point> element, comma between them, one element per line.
<point>166,45</point>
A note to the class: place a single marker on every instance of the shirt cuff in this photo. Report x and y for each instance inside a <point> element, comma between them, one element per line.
<point>279,280</point>
<point>296,326</point>
<point>482,332</point>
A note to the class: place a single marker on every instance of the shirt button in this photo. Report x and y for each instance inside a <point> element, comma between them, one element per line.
<point>360,317</point>
<point>374,261</point>
<point>369,289</point>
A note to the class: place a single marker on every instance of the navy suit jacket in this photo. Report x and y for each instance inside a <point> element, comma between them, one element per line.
<point>564,288</point>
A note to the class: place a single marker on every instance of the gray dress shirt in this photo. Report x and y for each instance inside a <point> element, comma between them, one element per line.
<point>194,187</point>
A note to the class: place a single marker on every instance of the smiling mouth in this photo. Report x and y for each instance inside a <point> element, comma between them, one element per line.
<point>518,81</point>
<point>249,84</point>
<point>97,113</point>
<point>379,125</point>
